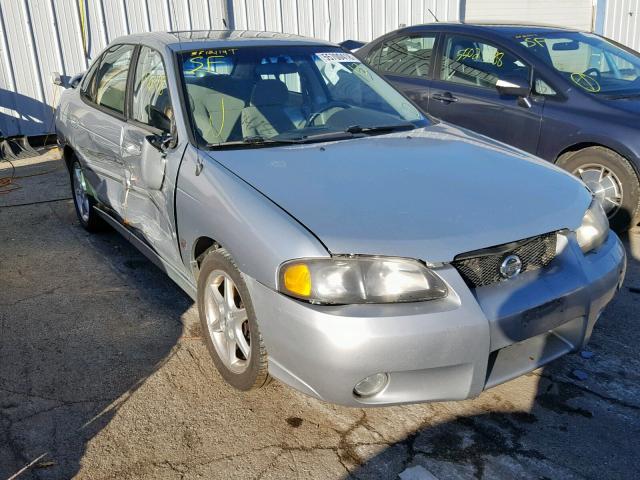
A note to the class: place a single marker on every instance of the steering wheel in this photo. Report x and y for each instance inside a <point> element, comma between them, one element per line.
<point>591,71</point>
<point>323,109</point>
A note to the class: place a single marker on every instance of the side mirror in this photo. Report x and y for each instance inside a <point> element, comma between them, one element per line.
<point>75,80</point>
<point>153,161</point>
<point>57,79</point>
<point>513,86</point>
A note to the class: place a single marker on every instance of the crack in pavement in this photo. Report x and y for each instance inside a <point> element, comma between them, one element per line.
<point>606,398</point>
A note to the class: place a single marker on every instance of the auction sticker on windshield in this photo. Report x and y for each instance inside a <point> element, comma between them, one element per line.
<point>337,57</point>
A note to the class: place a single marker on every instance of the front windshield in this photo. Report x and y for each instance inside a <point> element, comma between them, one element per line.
<point>269,94</point>
<point>590,62</point>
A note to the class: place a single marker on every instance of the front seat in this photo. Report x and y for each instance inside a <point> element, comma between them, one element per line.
<point>266,116</point>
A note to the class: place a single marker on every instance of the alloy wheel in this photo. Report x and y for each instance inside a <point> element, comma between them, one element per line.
<point>227,321</point>
<point>81,197</point>
<point>604,184</point>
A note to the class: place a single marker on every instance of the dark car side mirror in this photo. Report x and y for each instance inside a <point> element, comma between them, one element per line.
<point>517,87</point>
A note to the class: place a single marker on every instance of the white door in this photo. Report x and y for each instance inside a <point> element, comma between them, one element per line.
<point>565,13</point>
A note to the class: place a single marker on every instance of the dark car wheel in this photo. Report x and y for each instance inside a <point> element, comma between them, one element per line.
<point>83,201</point>
<point>613,181</point>
<point>229,323</point>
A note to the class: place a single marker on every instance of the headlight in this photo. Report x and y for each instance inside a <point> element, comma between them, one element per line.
<point>594,229</point>
<point>346,280</point>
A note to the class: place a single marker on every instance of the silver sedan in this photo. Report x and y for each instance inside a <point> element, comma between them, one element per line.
<point>333,236</point>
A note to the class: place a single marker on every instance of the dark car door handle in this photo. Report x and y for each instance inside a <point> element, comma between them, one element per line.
<point>444,97</point>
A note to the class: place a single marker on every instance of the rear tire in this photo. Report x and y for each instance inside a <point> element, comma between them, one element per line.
<point>229,324</point>
<point>83,201</point>
<point>613,181</point>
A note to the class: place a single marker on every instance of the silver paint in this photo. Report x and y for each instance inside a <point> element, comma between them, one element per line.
<point>428,194</point>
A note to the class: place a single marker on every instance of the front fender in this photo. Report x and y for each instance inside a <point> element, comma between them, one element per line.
<point>219,205</point>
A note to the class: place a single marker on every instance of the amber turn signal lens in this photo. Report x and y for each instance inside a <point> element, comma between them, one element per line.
<point>297,279</point>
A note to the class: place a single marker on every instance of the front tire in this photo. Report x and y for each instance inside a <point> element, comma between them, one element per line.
<point>229,324</point>
<point>83,201</point>
<point>612,180</point>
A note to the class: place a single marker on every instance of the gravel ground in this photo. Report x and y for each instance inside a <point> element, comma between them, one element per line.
<point>103,375</point>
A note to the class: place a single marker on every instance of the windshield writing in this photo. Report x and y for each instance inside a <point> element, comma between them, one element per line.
<point>287,93</point>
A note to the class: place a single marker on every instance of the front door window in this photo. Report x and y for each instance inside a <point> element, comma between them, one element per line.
<point>468,61</point>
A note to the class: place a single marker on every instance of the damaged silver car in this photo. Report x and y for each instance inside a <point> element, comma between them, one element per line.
<point>332,235</point>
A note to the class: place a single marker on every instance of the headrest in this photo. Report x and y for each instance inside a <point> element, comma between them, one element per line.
<point>461,45</point>
<point>269,92</point>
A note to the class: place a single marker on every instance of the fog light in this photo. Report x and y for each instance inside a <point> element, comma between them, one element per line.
<point>371,385</point>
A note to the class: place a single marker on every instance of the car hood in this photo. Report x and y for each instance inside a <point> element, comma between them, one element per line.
<point>441,192</point>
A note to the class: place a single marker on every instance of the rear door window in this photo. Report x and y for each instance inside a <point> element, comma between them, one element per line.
<point>410,56</point>
<point>471,62</point>
<point>111,78</point>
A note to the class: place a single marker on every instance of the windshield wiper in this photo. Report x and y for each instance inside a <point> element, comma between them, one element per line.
<point>325,136</point>
<point>354,131</point>
<point>380,128</point>
<point>257,141</point>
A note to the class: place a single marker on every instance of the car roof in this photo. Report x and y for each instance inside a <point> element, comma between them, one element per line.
<point>196,39</point>
<point>499,28</point>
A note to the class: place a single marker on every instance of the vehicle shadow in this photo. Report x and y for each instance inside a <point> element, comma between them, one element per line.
<point>84,322</point>
<point>578,417</point>
<point>32,116</point>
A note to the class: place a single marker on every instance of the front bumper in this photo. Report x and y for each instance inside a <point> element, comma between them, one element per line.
<point>448,349</point>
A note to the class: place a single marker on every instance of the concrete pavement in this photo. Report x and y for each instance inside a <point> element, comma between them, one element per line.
<point>103,375</point>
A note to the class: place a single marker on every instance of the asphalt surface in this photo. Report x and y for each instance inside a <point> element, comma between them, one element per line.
<point>103,375</point>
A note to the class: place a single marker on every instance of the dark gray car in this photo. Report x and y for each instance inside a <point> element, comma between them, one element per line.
<point>570,97</point>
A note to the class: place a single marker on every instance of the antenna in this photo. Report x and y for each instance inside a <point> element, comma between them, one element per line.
<point>433,15</point>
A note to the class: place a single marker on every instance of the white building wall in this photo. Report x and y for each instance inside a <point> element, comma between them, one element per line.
<point>38,37</point>
<point>621,21</point>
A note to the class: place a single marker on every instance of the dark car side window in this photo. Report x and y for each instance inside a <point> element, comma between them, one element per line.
<point>151,101</point>
<point>110,83</point>
<point>410,56</point>
<point>471,62</point>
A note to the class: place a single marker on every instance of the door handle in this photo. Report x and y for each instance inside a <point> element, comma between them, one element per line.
<point>73,121</point>
<point>444,97</point>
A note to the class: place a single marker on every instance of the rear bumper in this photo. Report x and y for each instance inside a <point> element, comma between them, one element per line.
<point>449,349</point>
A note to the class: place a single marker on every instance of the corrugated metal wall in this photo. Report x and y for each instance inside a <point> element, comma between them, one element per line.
<point>622,22</point>
<point>338,20</point>
<point>39,37</point>
<point>568,13</point>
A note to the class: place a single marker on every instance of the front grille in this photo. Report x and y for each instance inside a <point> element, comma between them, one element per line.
<point>482,267</point>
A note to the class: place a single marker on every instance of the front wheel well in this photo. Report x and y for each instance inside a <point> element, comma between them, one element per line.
<point>584,145</point>
<point>201,246</point>
<point>580,146</point>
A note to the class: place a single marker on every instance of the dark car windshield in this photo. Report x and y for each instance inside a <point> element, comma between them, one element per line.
<point>272,95</point>
<point>590,62</point>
